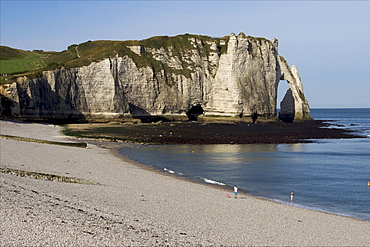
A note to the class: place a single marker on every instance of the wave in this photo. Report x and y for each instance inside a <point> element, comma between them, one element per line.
<point>169,171</point>
<point>209,181</point>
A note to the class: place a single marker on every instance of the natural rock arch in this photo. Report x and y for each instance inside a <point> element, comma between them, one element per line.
<point>294,106</point>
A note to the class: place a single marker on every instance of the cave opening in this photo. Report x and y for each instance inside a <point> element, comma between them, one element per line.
<point>194,112</point>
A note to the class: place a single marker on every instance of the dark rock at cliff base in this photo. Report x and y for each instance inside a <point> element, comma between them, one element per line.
<point>212,133</point>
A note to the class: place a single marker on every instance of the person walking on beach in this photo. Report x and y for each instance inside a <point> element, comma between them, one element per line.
<point>235,191</point>
<point>291,196</point>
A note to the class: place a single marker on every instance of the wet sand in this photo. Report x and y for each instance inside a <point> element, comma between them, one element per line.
<point>136,206</point>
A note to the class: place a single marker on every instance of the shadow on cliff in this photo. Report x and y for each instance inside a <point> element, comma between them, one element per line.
<point>143,115</point>
<point>146,117</point>
<point>41,104</point>
<point>6,106</point>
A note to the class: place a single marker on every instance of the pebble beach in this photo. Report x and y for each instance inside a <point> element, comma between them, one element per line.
<point>127,204</point>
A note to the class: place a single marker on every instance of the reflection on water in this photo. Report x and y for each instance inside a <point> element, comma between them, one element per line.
<point>295,147</point>
<point>217,156</point>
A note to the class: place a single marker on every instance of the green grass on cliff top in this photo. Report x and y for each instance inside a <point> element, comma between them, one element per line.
<point>14,61</point>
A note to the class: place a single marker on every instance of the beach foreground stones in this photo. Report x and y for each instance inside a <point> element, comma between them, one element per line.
<point>136,206</point>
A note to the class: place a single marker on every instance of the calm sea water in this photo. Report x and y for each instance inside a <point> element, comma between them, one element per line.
<point>328,175</point>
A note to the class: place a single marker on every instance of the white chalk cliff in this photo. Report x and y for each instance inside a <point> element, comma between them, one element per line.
<point>234,75</point>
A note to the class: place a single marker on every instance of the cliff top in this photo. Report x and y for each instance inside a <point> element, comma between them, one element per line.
<point>15,62</point>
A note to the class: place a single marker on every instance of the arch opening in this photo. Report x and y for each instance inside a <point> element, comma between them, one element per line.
<point>286,111</point>
<point>283,87</point>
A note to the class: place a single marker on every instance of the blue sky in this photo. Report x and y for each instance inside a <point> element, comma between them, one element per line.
<point>326,40</point>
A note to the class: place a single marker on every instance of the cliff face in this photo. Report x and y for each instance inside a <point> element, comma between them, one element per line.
<point>235,75</point>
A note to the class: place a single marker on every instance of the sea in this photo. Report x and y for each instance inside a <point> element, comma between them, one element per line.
<point>328,175</point>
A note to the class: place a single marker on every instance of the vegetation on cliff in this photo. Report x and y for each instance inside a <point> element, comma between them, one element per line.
<point>15,62</point>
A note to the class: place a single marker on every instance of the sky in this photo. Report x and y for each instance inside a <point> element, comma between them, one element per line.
<point>328,41</point>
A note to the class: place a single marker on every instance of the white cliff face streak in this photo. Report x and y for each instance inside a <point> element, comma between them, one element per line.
<point>234,75</point>
<point>247,77</point>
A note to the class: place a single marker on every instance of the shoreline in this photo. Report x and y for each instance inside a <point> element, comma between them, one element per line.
<point>227,188</point>
<point>137,206</point>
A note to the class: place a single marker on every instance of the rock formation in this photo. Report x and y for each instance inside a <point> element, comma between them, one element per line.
<point>294,104</point>
<point>230,76</point>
